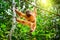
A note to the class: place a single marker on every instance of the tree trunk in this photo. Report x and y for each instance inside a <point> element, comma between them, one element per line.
<point>13,20</point>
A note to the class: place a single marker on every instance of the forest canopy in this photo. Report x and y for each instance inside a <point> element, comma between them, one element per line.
<point>47,20</point>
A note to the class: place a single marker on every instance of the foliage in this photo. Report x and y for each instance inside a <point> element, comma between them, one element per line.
<point>48,23</point>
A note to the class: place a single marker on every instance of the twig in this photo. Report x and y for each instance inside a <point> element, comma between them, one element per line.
<point>42,9</point>
<point>39,7</point>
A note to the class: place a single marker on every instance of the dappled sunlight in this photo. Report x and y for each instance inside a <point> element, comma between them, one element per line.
<point>47,7</point>
<point>19,19</point>
<point>45,3</point>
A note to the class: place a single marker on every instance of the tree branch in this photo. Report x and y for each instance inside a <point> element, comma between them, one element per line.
<point>13,20</point>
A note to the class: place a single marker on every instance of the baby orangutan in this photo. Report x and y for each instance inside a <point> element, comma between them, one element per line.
<point>30,19</point>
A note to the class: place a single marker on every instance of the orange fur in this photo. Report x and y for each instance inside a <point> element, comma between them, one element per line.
<point>30,21</point>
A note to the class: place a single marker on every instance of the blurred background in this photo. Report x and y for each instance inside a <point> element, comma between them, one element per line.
<point>47,19</point>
